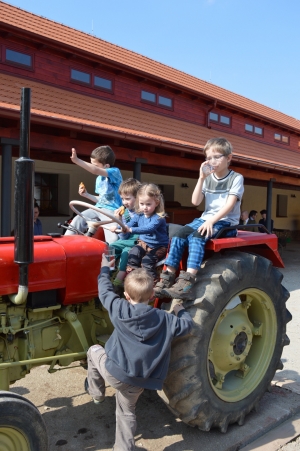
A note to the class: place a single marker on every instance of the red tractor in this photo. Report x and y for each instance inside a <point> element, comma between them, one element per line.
<point>50,313</point>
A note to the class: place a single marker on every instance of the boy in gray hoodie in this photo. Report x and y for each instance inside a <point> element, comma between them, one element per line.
<point>137,354</point>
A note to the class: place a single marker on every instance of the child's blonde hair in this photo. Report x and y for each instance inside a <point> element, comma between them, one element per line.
<point>151,190</point>
<point>129,187</point>
<point>219,145</point>
<point>139,285</point>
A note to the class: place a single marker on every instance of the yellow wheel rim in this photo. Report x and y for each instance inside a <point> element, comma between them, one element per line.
<point>13,440</point>
<point>242,345</point>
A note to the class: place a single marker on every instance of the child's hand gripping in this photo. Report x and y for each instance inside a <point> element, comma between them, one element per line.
<point>206,229</point>
<point>82,189</point>
<point>205,170</point>
<point>105,263</point>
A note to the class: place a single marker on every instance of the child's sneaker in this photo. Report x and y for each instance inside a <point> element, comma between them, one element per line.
<point>96,400</point>
<point>181,289</point>
<point>166,280</point>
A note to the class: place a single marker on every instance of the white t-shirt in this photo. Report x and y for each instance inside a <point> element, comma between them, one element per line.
<point>216,192</point>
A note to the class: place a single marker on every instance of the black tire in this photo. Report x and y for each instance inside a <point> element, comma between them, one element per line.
<point>193,390</point>
<point>22,427</point>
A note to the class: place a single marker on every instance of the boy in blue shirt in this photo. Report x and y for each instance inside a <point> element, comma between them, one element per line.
<point>137,354</point>
<point>107,185</point>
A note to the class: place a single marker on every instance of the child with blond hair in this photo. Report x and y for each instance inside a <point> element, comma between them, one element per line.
<point>150,224</point>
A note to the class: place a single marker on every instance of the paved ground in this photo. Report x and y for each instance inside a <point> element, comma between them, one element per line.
<point>76,424</point>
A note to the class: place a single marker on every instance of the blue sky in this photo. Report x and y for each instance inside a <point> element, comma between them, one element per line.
<point>250,47</point>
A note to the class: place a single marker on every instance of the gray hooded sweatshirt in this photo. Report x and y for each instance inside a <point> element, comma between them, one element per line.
<point>138,351</point>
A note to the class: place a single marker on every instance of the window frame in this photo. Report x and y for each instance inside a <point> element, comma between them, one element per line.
<point>287,143</point>
<point>253,131</point>
<point>156,103</point>
<point>16,64</point>
<point>82,83</point>
<point>219,119</point>
<point>50,187</point>
<point>100,88</point>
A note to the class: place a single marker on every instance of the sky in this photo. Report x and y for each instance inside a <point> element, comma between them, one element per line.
<point>250,47</point>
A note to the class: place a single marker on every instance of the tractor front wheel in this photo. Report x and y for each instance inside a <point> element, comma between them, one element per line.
<point>21,425</point>
<point>219,372</point>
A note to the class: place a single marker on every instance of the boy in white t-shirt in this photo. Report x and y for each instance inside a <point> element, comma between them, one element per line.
<point>222,189</point>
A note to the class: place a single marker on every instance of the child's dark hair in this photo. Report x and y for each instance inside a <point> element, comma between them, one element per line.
<point>129,187</point>
<point>139,285</point>
<point>104,154</point>
<point>151,190</point>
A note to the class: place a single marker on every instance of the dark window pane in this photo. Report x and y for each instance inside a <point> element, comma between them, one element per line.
<point>258,130</point>
<point>17,57</point>
<point>46,192</point>
<point>149,96</point>
<point>214,117</point>
<point>165,101</point>
<point>249,128</point>
<point>277,136</point>
<point>103,83</point>
<point>80,76</point>
<point>285,139</point>
<point>225,120</point>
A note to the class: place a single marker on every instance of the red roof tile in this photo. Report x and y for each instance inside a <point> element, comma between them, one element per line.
<point>77,40</point>
<point>48,102</point>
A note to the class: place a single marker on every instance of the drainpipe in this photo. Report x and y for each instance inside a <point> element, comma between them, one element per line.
<point>214,105</point>
<point>24,186</point>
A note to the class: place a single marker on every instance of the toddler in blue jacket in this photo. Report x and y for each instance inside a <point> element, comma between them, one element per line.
<point>150,224</point>
<point>137,354</point>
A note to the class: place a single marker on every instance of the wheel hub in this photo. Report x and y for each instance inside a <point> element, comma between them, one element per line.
<point>240,343</point>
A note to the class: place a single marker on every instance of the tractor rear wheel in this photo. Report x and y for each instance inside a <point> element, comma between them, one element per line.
<point>219,372</point>
<point>21,425</point>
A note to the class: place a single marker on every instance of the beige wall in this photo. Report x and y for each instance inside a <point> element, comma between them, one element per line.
<point>254,197</point>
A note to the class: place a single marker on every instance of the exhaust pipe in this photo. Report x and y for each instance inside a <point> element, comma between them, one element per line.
<point>24,192</point>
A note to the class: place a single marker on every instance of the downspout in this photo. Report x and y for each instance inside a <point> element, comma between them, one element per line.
<point>24,186</point>
<point>214,105</point>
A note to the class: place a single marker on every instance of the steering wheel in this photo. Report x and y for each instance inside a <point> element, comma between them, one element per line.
<point>112,218</point>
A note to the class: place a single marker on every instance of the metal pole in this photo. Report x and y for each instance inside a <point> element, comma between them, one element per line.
<point>6,189</point>
<point>269,203</point>
<point>137,168</point>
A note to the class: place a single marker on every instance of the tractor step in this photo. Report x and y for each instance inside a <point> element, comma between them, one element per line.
<point>102,339</point>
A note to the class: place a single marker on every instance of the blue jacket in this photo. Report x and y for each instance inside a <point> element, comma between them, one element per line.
<point>138,351</point>
<point>153,230</point>
<point>37,227</point>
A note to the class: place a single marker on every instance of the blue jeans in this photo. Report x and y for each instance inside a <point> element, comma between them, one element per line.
<point>188,236</point>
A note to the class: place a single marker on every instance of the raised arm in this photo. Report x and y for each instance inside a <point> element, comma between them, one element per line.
<point>87,166</point>
<point>197,196</point>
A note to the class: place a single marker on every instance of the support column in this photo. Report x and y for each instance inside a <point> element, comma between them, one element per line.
<point>269,203</point>
<point>6,179</point>
<point>137,168</point>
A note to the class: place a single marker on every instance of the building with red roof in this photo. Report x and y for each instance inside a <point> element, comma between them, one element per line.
<point>88,92</point>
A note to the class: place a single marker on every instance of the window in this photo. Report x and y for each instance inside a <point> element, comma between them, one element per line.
<point>254,129</point>
<point>282,138</point>
<point>165,101</point>
<point>46,192</point>
<point>81,77</point>
<point>18,58</point>
<point>148,96</point>
<point>220,118</point>
<point>51,192</point>
<point>156,99</point>
<point>103,83</point>
<point>282,205</point>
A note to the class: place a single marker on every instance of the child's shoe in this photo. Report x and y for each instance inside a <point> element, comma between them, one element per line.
<point>96,400</point>
<point>166,280</point>
<point>181,289</point>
